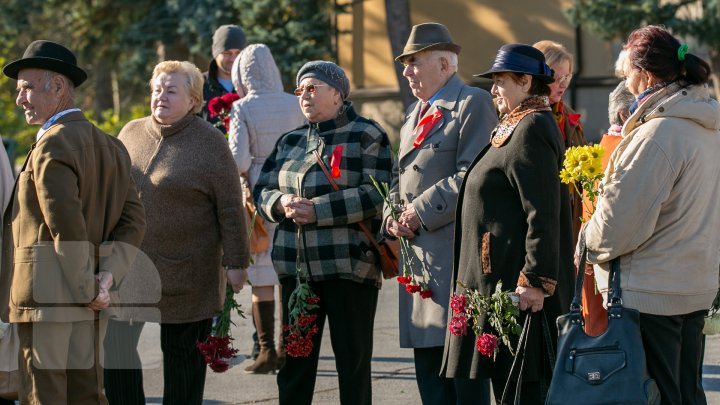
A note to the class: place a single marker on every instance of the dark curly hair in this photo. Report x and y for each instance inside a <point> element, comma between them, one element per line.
<point>655,50</point>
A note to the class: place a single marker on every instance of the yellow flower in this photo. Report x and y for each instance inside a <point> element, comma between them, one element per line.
<point>566,177</point>
<point>597,151</point>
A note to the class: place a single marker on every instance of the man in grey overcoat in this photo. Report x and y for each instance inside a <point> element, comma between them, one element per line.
<point>443,133</point>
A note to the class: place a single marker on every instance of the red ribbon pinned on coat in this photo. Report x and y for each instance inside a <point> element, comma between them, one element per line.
<point>425,125</point>
<point>335,161</point>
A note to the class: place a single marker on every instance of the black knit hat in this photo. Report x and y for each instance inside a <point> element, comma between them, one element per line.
<point>227,37</point>
<point>47,55</point>
<point>520,58</point>
<point>327,72</point>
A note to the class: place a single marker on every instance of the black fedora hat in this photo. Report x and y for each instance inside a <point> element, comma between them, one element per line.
<point>520,58</point>
<point>47,55</point>
<point>427,36</point>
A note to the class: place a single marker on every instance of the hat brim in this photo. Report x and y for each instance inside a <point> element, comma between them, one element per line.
<point>488,75</point>
<point>74,73</point>
<point>441,46</point>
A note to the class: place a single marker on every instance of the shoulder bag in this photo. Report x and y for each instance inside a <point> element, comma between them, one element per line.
<point>388,251</point>
<point>604,369</point>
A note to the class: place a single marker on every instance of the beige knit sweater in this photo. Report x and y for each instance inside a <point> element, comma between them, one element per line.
<point>186,178</point>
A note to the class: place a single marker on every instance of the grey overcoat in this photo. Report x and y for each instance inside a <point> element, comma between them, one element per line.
<point>429,176</point>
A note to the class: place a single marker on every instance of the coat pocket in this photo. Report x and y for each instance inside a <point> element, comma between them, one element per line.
<point>39,279</point>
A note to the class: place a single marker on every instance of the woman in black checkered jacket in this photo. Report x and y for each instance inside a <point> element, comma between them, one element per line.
<point>319,226</point>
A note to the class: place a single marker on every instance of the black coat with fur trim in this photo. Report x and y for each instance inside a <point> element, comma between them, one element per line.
<point>513,209</point>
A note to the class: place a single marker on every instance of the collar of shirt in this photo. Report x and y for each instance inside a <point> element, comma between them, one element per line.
<point>435,96</point>
<point>52,120</point>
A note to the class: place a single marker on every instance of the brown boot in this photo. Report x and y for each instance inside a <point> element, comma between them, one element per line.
<point>264,317</point>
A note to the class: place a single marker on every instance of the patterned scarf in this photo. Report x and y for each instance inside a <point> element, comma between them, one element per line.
<point>645,94</point>
<point>502,132</point>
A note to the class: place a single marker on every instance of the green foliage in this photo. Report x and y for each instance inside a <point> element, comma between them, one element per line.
<point>123,37</point>
<point>297,31</point>
<point>615,19</point>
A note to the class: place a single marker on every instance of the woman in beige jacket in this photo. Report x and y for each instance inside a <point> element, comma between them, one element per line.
<point>659,212</point>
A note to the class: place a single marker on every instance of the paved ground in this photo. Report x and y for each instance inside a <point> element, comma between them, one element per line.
<point>393,370</point>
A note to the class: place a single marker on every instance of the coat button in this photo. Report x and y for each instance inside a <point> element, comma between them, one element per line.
<point>402,170</point>
<point>439,207</point>
<point>684,93</point>
<point>661,109</point>
<point>416,168</point>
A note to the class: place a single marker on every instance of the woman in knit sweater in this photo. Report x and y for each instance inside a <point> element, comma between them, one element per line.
<point>196,231</point>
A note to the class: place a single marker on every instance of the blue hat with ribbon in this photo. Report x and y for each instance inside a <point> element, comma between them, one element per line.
<point>520,58</point>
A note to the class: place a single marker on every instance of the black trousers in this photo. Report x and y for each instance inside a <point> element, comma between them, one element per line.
<point>437,390</point>
<point>350,311</point>
<point>184,369</point>
<point>674,352</point>
<point>122,366</point>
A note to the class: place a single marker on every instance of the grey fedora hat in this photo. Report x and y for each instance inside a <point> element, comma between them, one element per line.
<point>427,36</point>
<point>47,55</point>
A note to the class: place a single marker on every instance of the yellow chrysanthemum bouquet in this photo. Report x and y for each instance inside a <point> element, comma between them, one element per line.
<point>582,169</point>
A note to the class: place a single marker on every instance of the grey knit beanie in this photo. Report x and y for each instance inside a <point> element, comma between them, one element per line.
<point>227,37</point>
<point>327,72</point>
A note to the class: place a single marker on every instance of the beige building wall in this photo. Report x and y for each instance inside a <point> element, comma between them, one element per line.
<point>480,27</point>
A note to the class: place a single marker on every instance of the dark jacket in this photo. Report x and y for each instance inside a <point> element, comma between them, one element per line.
<point>505,230</point>
<point>211,89</point>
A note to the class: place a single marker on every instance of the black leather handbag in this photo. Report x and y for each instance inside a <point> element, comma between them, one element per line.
<point>605,369</point>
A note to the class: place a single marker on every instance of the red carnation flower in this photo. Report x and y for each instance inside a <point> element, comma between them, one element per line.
<point>412,288</point>
<point>486,344</point>
<point>458,303</point>
<point>458,325</point>
<point>229,99</point>
<point>216,105</point>
<point>403,280</point>
<point>426,294</point>
<point>312,300</point>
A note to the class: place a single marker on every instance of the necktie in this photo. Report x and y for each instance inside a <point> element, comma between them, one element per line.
<point>423,109</point>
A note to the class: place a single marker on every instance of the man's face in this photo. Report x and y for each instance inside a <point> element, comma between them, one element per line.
<point>425,74</point>
<point>36,95</point>
<point>225,60</point>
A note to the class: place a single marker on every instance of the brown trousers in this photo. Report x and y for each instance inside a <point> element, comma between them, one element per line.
<point>60,363</point>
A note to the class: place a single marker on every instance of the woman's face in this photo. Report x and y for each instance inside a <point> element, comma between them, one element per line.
<point>508,93</point>
<point>563,75</point>
<point>318,100</point>
<point>170,100</point>
<point>636,81</point>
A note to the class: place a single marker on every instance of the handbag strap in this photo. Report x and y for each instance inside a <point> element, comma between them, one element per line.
<point>519,359</point>
<point>615,298</point>
<point>335,187</point>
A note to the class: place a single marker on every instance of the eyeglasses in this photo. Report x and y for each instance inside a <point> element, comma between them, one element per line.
<point>311,88</point>
<point>564,80</point>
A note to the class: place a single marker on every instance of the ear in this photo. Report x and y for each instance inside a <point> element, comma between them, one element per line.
<point>58,84</point>
<point>444,64</point>
<point>526,83</point>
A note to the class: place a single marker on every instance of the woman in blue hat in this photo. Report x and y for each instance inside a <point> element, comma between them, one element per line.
<point>507,226</point>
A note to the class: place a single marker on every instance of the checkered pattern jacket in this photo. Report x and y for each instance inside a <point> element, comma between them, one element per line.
<point>334,247</point>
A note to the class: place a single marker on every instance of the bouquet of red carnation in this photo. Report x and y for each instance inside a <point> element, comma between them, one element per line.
<point>221,106</point>
<point>412,283</point>
<point>499,310</point>
<point>301,328</point>
<point>217,350</point>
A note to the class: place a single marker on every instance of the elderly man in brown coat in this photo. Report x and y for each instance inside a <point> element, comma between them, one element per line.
<point>71,230</point>
<point>443,133</point>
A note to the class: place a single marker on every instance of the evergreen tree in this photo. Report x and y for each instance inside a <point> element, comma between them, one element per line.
<point>615,19</point>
